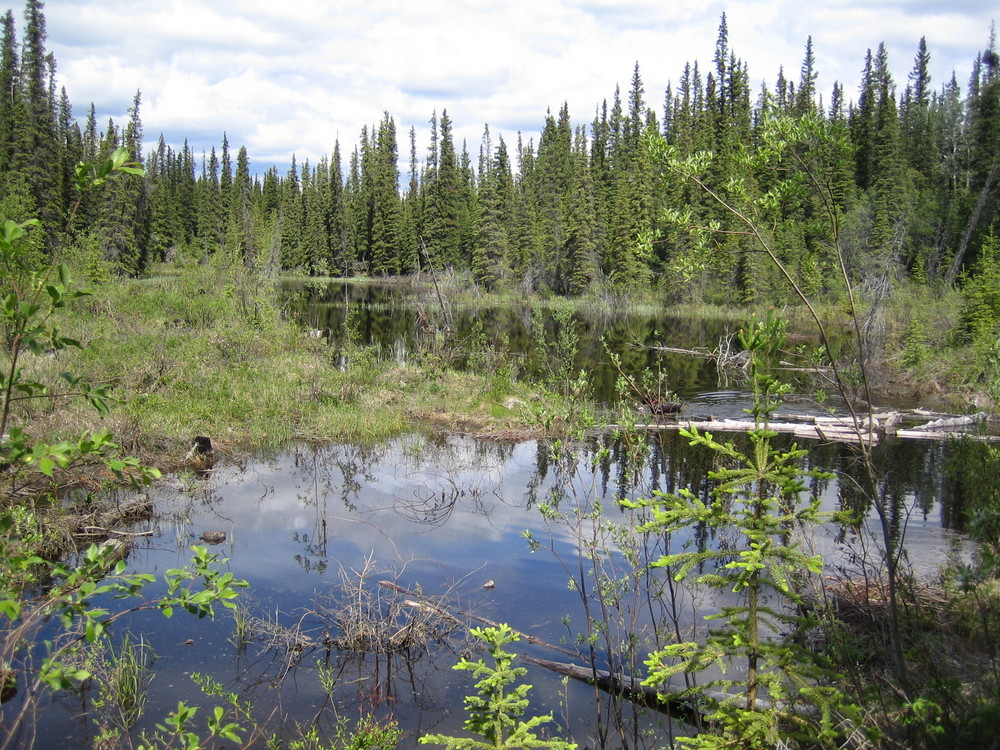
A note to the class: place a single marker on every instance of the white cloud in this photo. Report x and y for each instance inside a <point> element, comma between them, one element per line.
<point>292,77</point>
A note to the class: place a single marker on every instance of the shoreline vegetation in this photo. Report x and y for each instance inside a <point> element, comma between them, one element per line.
<point>181,359</point>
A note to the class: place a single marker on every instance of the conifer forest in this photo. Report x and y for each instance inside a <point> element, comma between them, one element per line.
<point>914,168</point>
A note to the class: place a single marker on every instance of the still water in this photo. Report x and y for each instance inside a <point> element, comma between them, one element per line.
<point>315,528</point>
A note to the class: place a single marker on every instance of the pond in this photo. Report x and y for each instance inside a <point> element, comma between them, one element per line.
<point>490,531</point>
<point>398,323</point>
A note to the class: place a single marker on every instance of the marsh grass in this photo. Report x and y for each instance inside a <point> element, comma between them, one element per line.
<point>122,676</point>
<point>367,618</point>
<point>183,359</point>
<point>244,627</point>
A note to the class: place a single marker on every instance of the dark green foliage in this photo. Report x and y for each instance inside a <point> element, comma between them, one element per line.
<point>914,177</point>
<point>443,205</point>
<point>980,316</point>
<point>496,191</point>
<point>385,202</point>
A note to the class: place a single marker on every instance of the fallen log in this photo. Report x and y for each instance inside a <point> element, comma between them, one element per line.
<point>828,428</point>
<point>913,434</point>
<point>939,424</point>
<point>625,687</point>
<point>890,422</point>
<point>836,435</point>
<point>830,432</point>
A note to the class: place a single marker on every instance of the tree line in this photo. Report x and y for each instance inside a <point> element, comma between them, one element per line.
<point>914,173</point>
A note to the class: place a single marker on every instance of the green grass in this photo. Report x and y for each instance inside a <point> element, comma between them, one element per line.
<point>184,362</point>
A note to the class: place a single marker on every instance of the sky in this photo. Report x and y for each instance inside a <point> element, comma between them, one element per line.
<point>294,76</point>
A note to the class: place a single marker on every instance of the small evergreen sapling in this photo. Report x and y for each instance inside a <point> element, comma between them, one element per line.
<point>758,495</point>
<point>495,712</point>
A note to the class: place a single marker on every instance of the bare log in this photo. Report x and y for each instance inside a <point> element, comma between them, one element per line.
<point>939,424</point>
<point>828,428</point>
<point>627,687</point>
<point>945,435</point>
<point>703,353</point>
<point>890,423</point>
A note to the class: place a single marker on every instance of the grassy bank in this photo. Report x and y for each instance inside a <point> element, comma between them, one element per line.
<point>185,359</point>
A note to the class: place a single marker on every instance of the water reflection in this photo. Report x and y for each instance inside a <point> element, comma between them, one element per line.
<point>442,514</point>
<point>387,318</point>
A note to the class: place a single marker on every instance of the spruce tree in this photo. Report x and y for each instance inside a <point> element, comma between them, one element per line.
<point>35,136</point>
<point>316,232</point>
<point>211,218</point>
<point>226,177</point>
<point>290,220</point>
<point>631,209</point>
<point>525,239</point>
<point>354,213</point>
<point>922,161</point>
<point>70,147</point>
<point>337,220</point>
<point>581,240</point>
<point>10,99</point>
<point>806,95</point>
<point>242,243</point>
<point>492,248</point>
<point>411,214</point>
<point>887,181</point>
<point>863,126</point>
<point>551,192</point>
<point>985,109</point>
<point>444,196</point>
<point>385,201</point>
